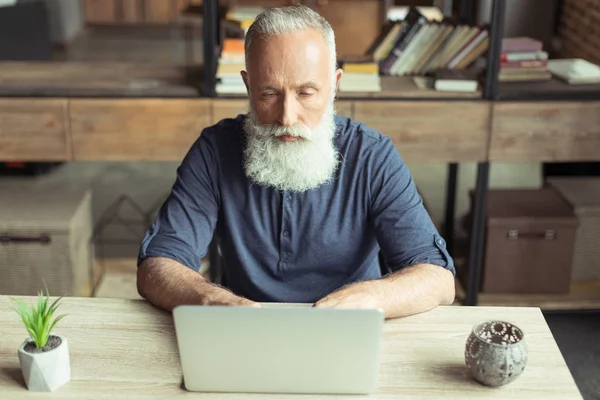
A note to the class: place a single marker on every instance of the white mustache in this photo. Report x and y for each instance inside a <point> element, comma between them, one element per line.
<point>296,130</point>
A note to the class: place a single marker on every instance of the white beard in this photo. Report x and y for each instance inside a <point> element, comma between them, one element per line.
<point>297,165</point>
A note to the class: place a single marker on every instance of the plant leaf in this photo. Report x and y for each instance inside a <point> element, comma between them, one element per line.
<point>55,321</point>
<point>53,307</point>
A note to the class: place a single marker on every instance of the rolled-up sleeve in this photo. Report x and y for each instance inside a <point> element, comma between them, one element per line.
<point>186,221</point>
<point>404,230</point>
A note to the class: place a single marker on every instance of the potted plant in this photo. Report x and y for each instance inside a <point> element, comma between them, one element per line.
<point>44,356</point>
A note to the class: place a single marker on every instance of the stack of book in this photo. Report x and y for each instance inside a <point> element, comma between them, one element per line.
<point>231,63</point>
<point>421,44</point>
<point>523,59</point>
<point>361,74</point>
<point>232,59</point>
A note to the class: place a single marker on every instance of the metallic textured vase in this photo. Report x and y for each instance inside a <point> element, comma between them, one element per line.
<point>496,353</point>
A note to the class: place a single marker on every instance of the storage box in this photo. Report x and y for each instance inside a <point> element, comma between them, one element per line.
<point>529,243</point>
<point>45,240</point>
<point>583,194</point>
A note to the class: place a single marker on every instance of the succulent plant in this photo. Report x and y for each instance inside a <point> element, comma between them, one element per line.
<point>37,318</point>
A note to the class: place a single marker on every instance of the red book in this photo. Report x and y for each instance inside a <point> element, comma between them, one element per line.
<point>524,64</point>
<point>521,44</point>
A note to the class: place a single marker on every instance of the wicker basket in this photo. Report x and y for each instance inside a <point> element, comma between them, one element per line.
<point>45,240</point>
<point>583,193</point>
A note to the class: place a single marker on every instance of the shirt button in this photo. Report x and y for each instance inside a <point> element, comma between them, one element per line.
<point>440,242</point>
<point>288,197</point>
<point>286,233</point>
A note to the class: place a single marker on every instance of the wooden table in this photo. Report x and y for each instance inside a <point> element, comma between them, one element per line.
<point>127,349</point>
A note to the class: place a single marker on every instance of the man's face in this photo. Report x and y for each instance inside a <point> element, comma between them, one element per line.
<point>290,79</point>
<point>290,126</point>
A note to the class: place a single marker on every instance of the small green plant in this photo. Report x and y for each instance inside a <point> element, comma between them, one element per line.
<point>38,320</point>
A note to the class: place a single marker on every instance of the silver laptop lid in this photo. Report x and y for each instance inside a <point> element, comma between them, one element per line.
<point>279,349</point>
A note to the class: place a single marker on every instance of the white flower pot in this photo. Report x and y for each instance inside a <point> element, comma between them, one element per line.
<point>48,370</point>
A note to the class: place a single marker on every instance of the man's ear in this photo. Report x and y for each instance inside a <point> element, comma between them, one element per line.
<point>245,78</point>
<point>338,75</point>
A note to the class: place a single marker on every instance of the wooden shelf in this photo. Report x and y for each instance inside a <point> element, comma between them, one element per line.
<point>98,79</point>
<point>553,89</point>
<point>404,87</point>
<point>582,296</point>
<point>393,88</point>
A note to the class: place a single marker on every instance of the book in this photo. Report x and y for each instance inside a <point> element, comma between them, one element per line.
<point>524,64</point>
<point>520,44</point>
<point>410,26</point>
<point>469,47</point>
<point>454,80</point>
<point>524,56</point>
<point>575,71</point>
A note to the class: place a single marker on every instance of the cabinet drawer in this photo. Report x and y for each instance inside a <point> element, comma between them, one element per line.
<point>546,131</point>
<point>131,130</point>
<point>34,130</point>
<point>222,109</point>
<point>430,131</point>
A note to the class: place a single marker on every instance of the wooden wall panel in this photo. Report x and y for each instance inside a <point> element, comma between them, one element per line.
<point>34,130</point>
<point>356,23</point>
<point>130,130</point>
<point>344,108</point>
<point>132,11</point>
<point>158,11</point>
<point>545,131</point>
<point>433,131</point>
<point>100,11</point>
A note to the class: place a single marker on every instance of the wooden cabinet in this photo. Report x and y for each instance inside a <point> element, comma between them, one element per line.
<point>222,109</point>
<point>132,130</point>
<point>545,131</point>
<point>34,130</point>
<point>430,131</point>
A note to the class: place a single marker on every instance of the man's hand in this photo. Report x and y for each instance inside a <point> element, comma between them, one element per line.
<point>167,284</point>
<point>409,291</point>
<point>357,295</point>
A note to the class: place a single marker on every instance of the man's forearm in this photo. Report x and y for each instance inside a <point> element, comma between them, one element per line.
<point>167,284</point>
<point>414,290</point>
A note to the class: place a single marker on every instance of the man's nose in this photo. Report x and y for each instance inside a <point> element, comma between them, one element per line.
<point>289,111</point>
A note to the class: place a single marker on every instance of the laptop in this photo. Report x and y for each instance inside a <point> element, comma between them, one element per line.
<point>279,348</point>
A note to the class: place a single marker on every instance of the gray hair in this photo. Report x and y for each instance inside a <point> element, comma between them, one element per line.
<point>281,20</point>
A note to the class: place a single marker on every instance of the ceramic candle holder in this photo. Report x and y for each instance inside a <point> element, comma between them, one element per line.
<point>496,353</point>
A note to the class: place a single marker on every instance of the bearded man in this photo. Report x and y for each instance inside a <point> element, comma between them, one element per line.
<point>303,202</point>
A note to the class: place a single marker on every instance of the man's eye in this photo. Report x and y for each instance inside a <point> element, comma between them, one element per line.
<point>306,94</point>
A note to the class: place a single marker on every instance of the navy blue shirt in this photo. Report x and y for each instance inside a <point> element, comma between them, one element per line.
<point>296,246</point>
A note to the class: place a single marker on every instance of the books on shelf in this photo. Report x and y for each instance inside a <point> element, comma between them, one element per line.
<point>231,63</point>
<point>421,44</point>
<point>523,59</point>
<point>361,74</point>
<point>575,71</point>
<point>456,80</point>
